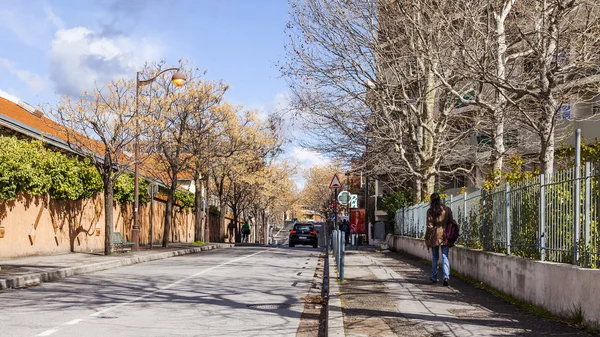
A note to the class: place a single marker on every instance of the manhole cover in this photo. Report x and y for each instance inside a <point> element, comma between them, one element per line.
<point>271,306</point>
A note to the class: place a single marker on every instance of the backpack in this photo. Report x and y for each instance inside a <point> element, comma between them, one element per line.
<point>452,231</point>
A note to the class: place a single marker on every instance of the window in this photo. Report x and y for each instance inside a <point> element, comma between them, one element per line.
<point>564,111</point>
<point>469,95</point>
<point>484,140</point>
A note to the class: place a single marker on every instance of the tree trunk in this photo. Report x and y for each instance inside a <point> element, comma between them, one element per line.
<point>418,185</point>
<point>498,140</point>
<point>429,185</point>
<point>223,230</point>
<point>198,213</point>
<point>236,225</point>
<point>265,227</point>
<point>108,212</point>
<point>547,142</point>
<point>169,213</point>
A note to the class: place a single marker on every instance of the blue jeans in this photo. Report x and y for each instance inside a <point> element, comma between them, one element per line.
<point>435,256</point>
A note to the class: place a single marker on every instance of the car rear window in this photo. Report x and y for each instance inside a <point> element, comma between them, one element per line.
<point>303,227</point>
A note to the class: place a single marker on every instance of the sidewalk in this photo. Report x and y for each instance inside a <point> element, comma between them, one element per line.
<point>30,271</point>
<point>389,294</point>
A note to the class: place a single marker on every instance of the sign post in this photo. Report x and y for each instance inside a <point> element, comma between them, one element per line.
<point>335,185</point>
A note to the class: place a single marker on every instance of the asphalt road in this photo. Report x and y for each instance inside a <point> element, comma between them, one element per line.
<point>242,291</point>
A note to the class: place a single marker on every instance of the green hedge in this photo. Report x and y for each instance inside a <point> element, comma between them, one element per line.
<point>27,166</point>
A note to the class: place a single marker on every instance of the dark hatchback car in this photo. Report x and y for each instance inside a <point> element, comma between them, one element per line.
<point>304,234</point>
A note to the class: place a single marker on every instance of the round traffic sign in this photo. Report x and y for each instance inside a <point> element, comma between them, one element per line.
<point>344,197</point>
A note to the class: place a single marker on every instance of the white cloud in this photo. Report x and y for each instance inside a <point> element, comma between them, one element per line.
<point>9,97</point>
<point>53,18</point>
<point>35,82</point>
<point>81,58</point>
<point>308,158</point>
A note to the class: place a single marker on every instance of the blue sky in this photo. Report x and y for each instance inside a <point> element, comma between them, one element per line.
<point>65,46</point>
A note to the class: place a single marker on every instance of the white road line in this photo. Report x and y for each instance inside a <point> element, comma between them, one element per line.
<point>48,332</point>
<point>176,283</point>
<point>75,321</point>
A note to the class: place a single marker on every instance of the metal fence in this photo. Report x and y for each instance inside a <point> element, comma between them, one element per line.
<point>551,218</point>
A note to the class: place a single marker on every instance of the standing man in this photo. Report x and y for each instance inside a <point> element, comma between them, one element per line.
<point>231,229</point>
<point>245,232</point>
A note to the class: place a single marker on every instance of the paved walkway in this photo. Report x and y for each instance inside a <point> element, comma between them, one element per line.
<point>388,294</point>
<point>29,271</point>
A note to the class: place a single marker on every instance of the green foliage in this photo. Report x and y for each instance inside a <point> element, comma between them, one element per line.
<point>30,167</point>
<point>214,209</point>
<point>186,200</point>
<point>125,186</point>
<point>395,201</point>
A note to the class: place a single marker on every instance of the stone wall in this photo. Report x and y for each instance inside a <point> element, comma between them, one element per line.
<point>560,288</point>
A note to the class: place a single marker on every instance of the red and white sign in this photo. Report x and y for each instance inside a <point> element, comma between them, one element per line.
<point>335,182</point>
<point>357,221</point>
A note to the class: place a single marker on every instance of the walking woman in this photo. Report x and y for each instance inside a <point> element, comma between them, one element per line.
<point>438,218</point>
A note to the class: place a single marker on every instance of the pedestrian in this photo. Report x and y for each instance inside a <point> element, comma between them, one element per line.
<point>245,232</point>
<point>438,218</point>
<point>231,229</point>
<point>346,230</point>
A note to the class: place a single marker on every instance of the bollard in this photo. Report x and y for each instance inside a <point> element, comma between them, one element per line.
<point>343,252</point>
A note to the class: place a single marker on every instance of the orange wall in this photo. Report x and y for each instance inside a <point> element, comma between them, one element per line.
<point>38,226</point>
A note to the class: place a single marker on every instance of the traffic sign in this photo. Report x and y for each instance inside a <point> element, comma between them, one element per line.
<point>335,182</point>
<point>353,201</point>
<point>344,197</point>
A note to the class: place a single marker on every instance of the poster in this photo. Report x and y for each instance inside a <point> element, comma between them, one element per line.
<point>357,221</point>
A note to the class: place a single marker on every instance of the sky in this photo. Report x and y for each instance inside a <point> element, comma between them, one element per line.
<point>49,48</point>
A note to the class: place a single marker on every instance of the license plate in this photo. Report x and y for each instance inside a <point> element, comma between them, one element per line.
<point>302,237</point>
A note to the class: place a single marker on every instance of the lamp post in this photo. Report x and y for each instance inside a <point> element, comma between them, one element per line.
<point>178,79</point>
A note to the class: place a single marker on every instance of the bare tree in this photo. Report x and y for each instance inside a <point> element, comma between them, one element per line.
<point>363,75</point>
<point>101,126</point>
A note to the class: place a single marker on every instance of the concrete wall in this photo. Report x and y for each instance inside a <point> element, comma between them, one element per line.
<point>558,287</point>
<point>39,226</point>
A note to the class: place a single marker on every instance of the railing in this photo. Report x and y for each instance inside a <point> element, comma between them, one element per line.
<point>546,218</point>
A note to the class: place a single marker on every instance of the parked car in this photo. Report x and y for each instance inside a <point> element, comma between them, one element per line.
<point>304,234</point>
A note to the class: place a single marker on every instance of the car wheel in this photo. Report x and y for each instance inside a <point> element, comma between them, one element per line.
<point>315,245</point>
<point>292,245</point>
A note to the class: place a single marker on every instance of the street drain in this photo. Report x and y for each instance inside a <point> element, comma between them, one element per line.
<point>271,306</point>
<point>107,317</point>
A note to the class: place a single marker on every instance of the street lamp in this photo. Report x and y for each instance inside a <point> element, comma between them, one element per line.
<point>178,79</point>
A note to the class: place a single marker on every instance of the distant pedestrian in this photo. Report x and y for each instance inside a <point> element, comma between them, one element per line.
<point>245,232</point>
<point>231,229</point>
<point>346,230</point>
<point>438,218</point>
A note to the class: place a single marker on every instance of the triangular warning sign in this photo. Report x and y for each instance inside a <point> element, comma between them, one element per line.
<point>335,182</point>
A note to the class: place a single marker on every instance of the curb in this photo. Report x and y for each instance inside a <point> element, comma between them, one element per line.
<point>48,276</point>
<point>335,320</point>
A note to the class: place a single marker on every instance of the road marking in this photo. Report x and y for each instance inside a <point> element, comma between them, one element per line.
<point>75,321</point>
<point>48,332</point>
<point>176,283</point>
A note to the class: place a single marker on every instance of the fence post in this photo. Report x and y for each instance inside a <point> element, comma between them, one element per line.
<point>588,203</point>
<point>465,210</point>
<point>542,217</point>
<point>507,217</point>
<point>577,198</point>
<point>484,218</point>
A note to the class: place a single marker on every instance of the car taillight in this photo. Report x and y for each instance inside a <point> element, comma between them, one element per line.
<point>292,232</point>
<point>313,233</point>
